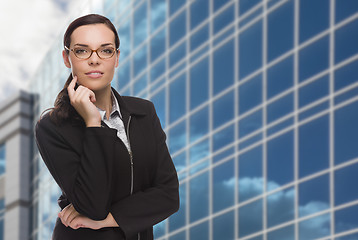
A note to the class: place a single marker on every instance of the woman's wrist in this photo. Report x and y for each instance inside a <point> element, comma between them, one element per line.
<point>109,221</point>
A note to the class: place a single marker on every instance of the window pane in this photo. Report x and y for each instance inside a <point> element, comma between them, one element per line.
<point>250,94</point>
<point>177,54</point>
<point>223,138</point>
<point>140,84</point>
<point>200,231</point>
<point>287,233</point>
<point>280,207</point>
<point>313,195</point>
<point>124,74</point>
<point>245,5</point>
<point>177,220</point>
<point>219,3</point>
<point>199,37</point>
<point>180,161</point>
<point>157,70</point>
<point>223,186</point>
<point>223,109</point>
<point>140,60</point>
<point>280,31</point>
<point>280,77</point>
<point>177,137</point>
<point>250,174</point>
<point>314,58</point>
<point>344,180</point>
<point>179,236</point>
<point>199,124</point>
<point>223,227</point>
<point>177,98</point>
<point>224,19</point>
<point>199,197</point>
<point>346,75</point>
<point>140,24</point>
<point>159,229</point>
<point>314,228</point>
<point>224,67</point>
<point>346,133</point>
<point>345,9</point>
<point>199,151</point>
<point>346,39</point>
<point>250,218</point>
<point>175,5</point>
<point>250,123</point>
<point>158,13</point>
<point>346,219</point>
<point>280,156</point>
<point>159,103</point>
<point>353,236</point>
<point>124,32</point>
<point>280,108</point>
<point>314,91</point>
<point>199,11</point>
<point>2,159</point>
<point>250,50</point>
<point>313,146</point>
<point>177,27</point>
<point>157,45</point>
<point>199,83</point>
<point>314,18</point>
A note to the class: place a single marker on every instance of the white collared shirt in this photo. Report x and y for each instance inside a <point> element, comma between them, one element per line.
<point>115,121</point>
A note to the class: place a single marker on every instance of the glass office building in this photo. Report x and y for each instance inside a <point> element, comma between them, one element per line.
<point>259,100</point>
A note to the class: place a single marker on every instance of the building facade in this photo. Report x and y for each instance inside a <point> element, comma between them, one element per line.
<point>259,100</point>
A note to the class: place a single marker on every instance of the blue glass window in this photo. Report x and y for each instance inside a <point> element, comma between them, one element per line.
<point>199,124</point>
<point>158,13</point>
<point>199,151</point>
<point>346,133</point>
<point>346,75</point>
<point>200,231</point>
<point>219,3</point>
<point>251,182</point>
<point>199,11</point>
<point>346,39</point>
<point>287,233</point>
<point>124,32</point>
<point>180,161</point>
<point>223,109</point>
<point>250,123</point>
<point>280,31</point>
<point>314,146</point>
<point>223,227</point>
<point>140,24</point>
<point>315,228</point>
<point>140,84</point>
<point>175,5</point>
<point>157,45</point>
<point>250,218</point>
<point>280,206</point>
<point>177,220</point>
<point>346,219</point>
<point>160,103</point>
<point>159,229</point>
<point>250,94</point>
<point>224,67</point>
<point>280,77</point>
<point>177,137</point>
<point>2,158</point>
<point>199,197</point>
<point>199,37</point>
<point>199,83</point>
<point>177,27</point>
<point>353,236</point>
<point>223,138</point>
<point>177,54</point>
<point>245,5</point>
<point>157,70</point>
<point>345,9</point>
<point>250,50</point>
<point>314,58</point>
<point>177,98</point>
<point>314,18</point>
<point>344,179</point>
<point>280,108</point>
<point>223,186</point>
<point>124,74</point>
<point>224,19</point>
<point>314,91</point>
<point>140,60</point>
<point>313,195</point>
<point>280,156</point>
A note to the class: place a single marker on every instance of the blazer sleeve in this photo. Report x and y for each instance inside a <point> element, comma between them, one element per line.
<point>85,175</point>
<point>146,208</point>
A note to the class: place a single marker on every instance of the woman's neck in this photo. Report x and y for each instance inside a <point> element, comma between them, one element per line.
<point>104,100</point>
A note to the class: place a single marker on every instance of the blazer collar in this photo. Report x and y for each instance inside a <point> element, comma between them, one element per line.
<point>124,108</point>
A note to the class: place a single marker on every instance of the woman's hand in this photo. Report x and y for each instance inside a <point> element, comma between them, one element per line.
<point>82,100</point>
<point>70,217</point>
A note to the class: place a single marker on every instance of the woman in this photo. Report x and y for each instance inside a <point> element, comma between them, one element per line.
<point>106,152</point>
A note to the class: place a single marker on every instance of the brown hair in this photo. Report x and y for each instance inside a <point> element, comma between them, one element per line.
<point>63,110</point>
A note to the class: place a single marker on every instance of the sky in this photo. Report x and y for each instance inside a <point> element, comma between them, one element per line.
<point>28,29</point>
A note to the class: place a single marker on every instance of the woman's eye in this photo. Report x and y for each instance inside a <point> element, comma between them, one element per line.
<point>80,51</point>
<point>107,51</point>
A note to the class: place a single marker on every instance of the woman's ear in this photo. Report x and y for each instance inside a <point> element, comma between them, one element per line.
<point>117,58</point>
<point>66,59</point>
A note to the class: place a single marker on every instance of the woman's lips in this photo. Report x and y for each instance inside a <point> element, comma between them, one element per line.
<point>94,74</point>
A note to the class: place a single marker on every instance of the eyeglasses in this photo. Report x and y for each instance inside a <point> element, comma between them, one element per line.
<point>86,52</point>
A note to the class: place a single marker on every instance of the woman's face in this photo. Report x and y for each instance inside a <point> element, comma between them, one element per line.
<point>94,73</point>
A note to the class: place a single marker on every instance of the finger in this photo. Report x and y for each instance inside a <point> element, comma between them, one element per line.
<point>71,87</point>
<point>66,212</point>
<point>92,96</point>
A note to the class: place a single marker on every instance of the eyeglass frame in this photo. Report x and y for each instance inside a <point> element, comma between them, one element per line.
<point>72,50</point>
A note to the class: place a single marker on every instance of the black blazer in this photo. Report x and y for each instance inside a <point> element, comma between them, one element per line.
<point>93,169</point>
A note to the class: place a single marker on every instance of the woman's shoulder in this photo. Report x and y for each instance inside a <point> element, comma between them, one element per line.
<point>138,105</point>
